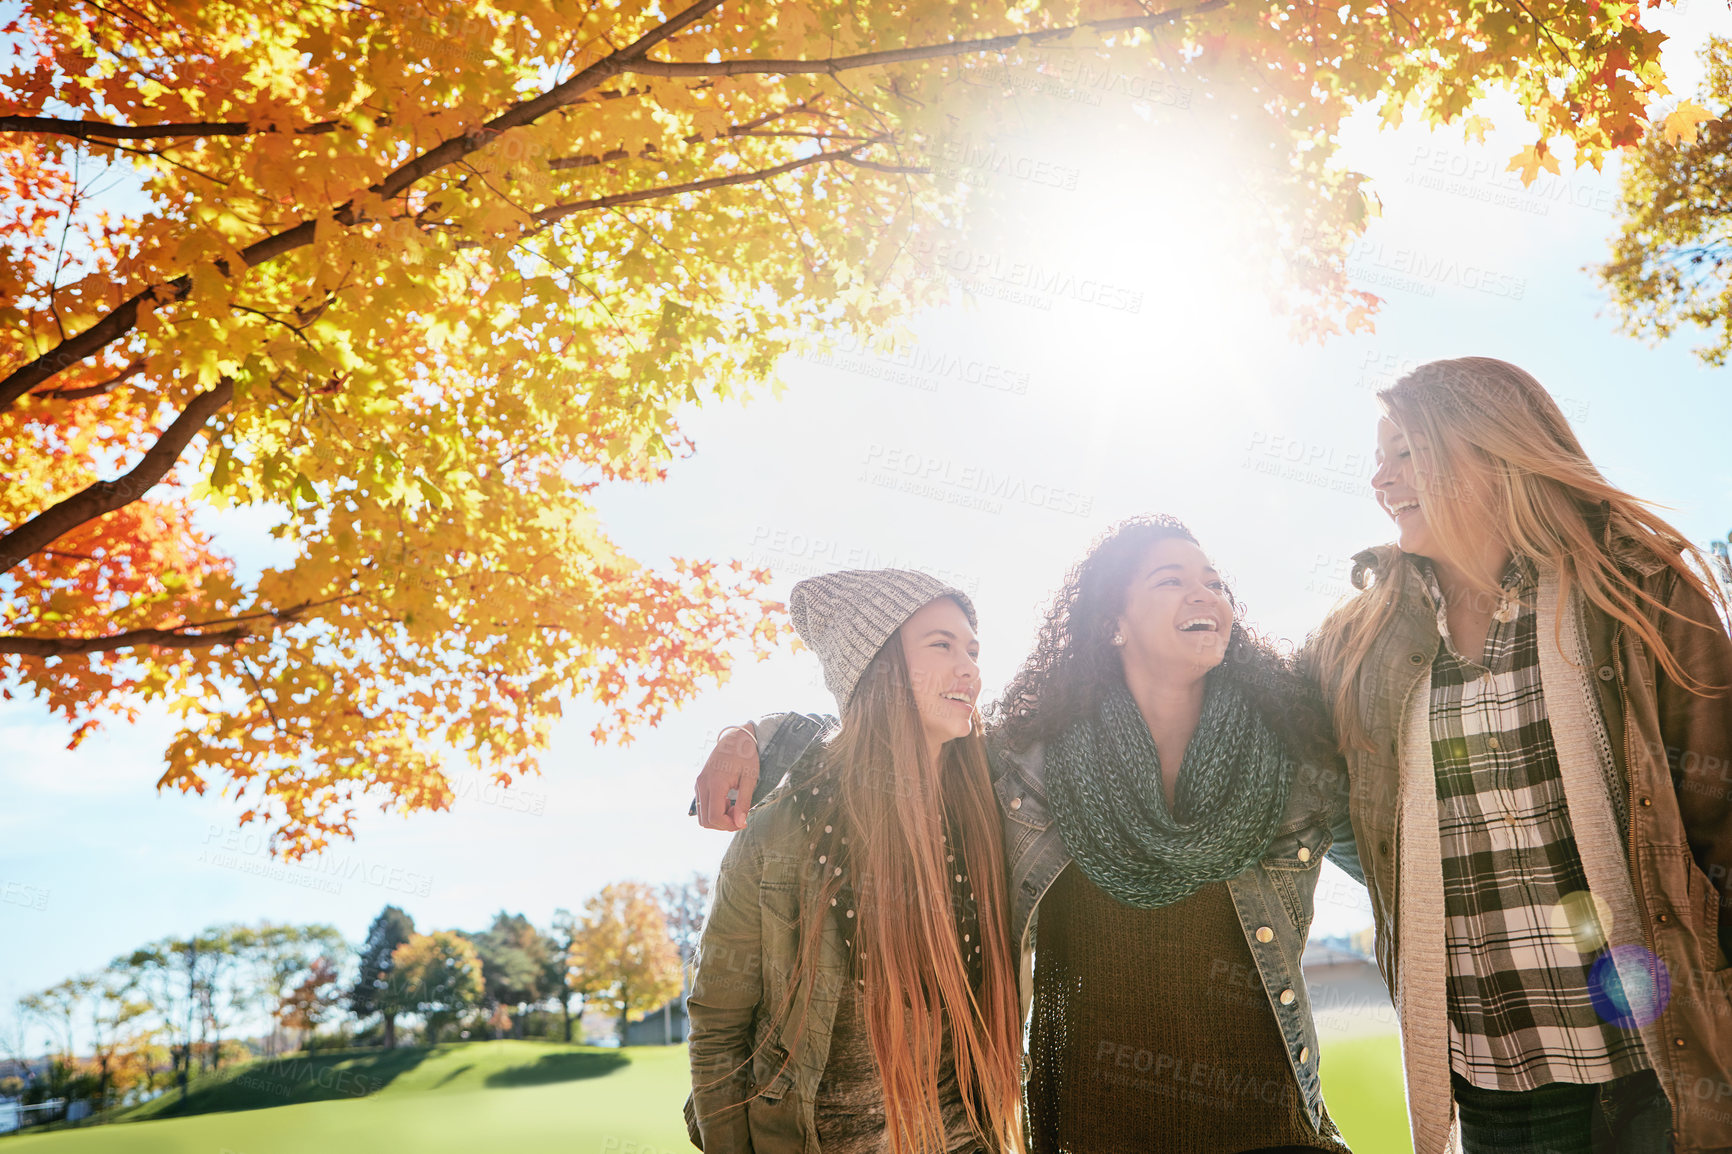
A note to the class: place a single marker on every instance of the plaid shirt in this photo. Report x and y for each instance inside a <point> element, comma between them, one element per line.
<point>1521,1013</point>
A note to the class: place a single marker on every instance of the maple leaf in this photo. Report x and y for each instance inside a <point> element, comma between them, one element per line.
<point>1683,122</point>
<point>1530,160</point>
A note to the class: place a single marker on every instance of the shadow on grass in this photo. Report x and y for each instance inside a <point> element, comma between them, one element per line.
<point>287,1081</point>
<point>551,1068</point>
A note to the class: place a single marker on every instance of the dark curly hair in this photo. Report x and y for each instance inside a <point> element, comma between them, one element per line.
<point>1075,663</point>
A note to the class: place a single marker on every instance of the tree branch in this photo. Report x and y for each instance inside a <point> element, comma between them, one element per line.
<point>102,130</point>
<point>74,646</point>
<point>131,370</point>
<point>124,316</point>
<point>750,66</point>
<point>104,497</point>
<point>557,212</point>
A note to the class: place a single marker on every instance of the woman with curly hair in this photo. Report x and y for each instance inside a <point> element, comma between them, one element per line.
<point>1169,789</point>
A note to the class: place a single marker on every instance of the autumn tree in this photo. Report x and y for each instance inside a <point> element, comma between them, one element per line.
<point>438,976</point>
<point>281,957</point>
<point>1671,263</point>
<point>314,998</point>
<point>410,280</point>
<point>371,993</point>
<point>621,954</point>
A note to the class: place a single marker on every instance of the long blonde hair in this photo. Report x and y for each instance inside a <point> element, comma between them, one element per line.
<point>1477,420</point>
<point>875,786</point>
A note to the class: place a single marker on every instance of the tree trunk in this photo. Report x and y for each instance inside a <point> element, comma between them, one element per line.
<point>390,1031</point>
<point>565,1008</point>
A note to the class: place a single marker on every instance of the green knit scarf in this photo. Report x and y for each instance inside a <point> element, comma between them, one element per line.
<point>1104,777</point>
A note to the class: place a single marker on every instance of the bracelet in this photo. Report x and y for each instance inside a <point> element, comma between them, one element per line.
<point>741,728</point>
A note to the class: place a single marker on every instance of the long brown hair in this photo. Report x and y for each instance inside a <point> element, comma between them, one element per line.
<point>875,784</point>
<point>1476,417</point>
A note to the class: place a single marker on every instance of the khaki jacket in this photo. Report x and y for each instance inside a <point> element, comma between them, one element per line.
<point>1657,848</point>
<point>753,1083</point>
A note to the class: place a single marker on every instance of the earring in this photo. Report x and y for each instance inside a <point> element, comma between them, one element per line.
<point>1118,638</point>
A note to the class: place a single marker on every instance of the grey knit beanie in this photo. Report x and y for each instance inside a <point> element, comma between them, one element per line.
<point>846,617</point>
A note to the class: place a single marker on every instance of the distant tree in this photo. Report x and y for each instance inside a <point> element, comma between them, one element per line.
<point>314,998</point>
<point>185,981</point>
<point>370,993</point>
<point>120,1037</point>
<point>560,973</point>
<point>1671,264</point>
<point>514,965</point>
<point>684,904</point>
<point>437,975</point>
<point>621,953</point>
<point>280,956</point>
<point>57,1007</point>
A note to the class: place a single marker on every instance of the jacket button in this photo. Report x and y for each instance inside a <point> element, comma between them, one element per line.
<point>1662,918</point>
<point>1287,997</point>
<point>1265,934</point>
<point>1678,1042</point>
<point>1304,1054</point>
<point>1646,801</point>
<point>1416,659</point>
<point>1016,803</point>
<point>1383,847</point>
<point>1606,673</point>
<point>1304,854</point>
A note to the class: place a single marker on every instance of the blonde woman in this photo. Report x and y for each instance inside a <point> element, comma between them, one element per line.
<point>1532,691</point>
<point>856,990</point>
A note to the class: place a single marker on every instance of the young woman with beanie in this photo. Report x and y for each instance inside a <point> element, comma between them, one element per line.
<point>856,987</point>
<point>1169,791</point>
<point>1532,689</point>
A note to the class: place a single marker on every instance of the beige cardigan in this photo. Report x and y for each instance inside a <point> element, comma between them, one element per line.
<point>1584,761</point>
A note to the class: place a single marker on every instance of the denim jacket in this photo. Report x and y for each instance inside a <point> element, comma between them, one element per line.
<point>1273,898</point>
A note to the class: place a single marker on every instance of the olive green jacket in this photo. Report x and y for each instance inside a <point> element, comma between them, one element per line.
<point>754,1081</point>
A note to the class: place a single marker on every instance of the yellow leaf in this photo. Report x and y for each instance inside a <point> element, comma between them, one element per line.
<point>1530,160</point>
<point>1682,124</point>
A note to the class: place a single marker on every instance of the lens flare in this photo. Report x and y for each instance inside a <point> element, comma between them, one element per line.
<point>1585,920</point>
<point>1630,986</point>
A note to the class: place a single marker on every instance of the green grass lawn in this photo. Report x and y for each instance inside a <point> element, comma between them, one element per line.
<point>533,1098</point>
<point>1362,1084</point>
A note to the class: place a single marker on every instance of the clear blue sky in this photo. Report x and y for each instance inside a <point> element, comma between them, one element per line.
<point>1018,427</point>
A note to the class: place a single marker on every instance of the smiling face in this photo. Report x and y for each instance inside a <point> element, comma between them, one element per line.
<point>943,655</point>
<point>1397,488</point>
<point>1400,481</point>
<point>1177,616</point>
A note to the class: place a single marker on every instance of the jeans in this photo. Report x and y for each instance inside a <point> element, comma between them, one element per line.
<point>1625,1116</point>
